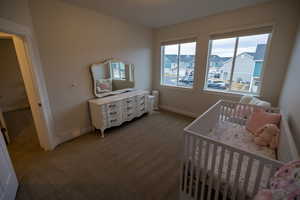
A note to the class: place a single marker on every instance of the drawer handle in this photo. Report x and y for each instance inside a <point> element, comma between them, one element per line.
<point>113,113</point>
<point>112,105</point>
<point>113,120</point>
<point>128,108</point>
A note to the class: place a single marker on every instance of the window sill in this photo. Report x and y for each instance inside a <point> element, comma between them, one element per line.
<point>227,93</point>
<point>178,88</point>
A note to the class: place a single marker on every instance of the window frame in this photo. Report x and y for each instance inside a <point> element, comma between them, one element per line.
<point>237,35</point>
<point>162,68</point>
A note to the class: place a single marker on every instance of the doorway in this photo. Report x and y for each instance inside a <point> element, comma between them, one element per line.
<point>31,72</point>
<point>16,120</point>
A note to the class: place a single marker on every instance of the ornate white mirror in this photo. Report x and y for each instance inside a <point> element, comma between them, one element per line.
<point>112,77</point>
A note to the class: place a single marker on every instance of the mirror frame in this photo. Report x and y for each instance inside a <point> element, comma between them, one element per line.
<point>108,63</point>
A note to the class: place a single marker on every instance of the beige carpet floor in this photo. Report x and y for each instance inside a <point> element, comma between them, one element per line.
<point>137,161</point>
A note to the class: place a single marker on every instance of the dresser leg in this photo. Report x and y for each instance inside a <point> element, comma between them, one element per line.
<point>102,133</point>
<point>98,132</point>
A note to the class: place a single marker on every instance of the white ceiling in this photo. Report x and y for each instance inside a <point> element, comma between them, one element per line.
<point>157,13</point>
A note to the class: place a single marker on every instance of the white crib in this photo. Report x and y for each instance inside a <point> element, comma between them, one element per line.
<point>212,169</point>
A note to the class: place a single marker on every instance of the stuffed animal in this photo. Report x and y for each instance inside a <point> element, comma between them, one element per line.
<point>267,136</point>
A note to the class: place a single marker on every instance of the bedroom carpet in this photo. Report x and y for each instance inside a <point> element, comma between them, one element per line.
<point>137,161</point>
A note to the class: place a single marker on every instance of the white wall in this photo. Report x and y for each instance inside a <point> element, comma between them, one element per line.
<point>290,96</point>
<point>282,13</point>
<point>70,39</point>
<point>12,90</point>
<point>16,11</point>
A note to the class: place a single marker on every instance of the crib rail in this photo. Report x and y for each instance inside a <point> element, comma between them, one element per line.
<point>225,111</point>
<point>238,112</point>
<point>212,170</point>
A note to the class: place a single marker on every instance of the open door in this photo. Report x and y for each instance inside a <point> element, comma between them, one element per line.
<point>8,179</point>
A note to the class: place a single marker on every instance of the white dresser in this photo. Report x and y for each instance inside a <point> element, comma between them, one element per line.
<point>114,110</point>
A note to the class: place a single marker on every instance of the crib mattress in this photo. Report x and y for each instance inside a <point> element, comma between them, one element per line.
<point>237,136</point>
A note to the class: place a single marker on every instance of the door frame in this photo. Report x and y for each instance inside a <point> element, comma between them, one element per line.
<point>33,76</point>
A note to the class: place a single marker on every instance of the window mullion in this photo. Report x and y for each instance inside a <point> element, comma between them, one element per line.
<point>233,62</point>
<point>178,63</point>
<point>120,70</point>
<point>208,63</point>
<point>162,76</point>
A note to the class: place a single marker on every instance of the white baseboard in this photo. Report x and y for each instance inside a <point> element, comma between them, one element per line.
<point>16,107</point>
<point>70,135</point>
<point>178,111</point>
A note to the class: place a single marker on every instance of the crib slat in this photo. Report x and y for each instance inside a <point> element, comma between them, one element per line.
<point>222,113</point>
<point>183,162</point>
<point>237,176</point>
<point>198,174</point>
<point>225,112</point>
<point>272,170</point>
<point>219,179</point>
<point>247,177</point>
<point>192,147</point>
<point>258,178</point>
<point>188,174</point>
<point>228,174</point>
<point>203,182</point>
<point>186,162</point>
<point>219,113</point>
<point>241,112</point>
<point>235,115</point>
<point>212,170</point>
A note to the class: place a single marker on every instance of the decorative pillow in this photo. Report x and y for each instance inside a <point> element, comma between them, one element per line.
<point>246,99</point>
<point>260,118</point>
<point>103,85</point>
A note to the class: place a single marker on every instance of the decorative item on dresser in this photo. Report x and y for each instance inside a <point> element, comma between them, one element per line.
<point>114,110</point>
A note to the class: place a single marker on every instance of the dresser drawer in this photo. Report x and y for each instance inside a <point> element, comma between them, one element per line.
<point>130,102</point>
<point>129,116</point>
<point>112,107</point>
<point>140,109</point>
<point>113,114</point>
<point>140,98</point>
<point>114,122</point>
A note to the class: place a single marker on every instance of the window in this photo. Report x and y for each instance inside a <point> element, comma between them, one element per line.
<point>118,70</point>
<point>235,63</point>
<point>178,64</point>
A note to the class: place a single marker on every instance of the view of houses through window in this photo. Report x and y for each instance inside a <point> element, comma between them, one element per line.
<point>178,64</point>
<point>235,64</point>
